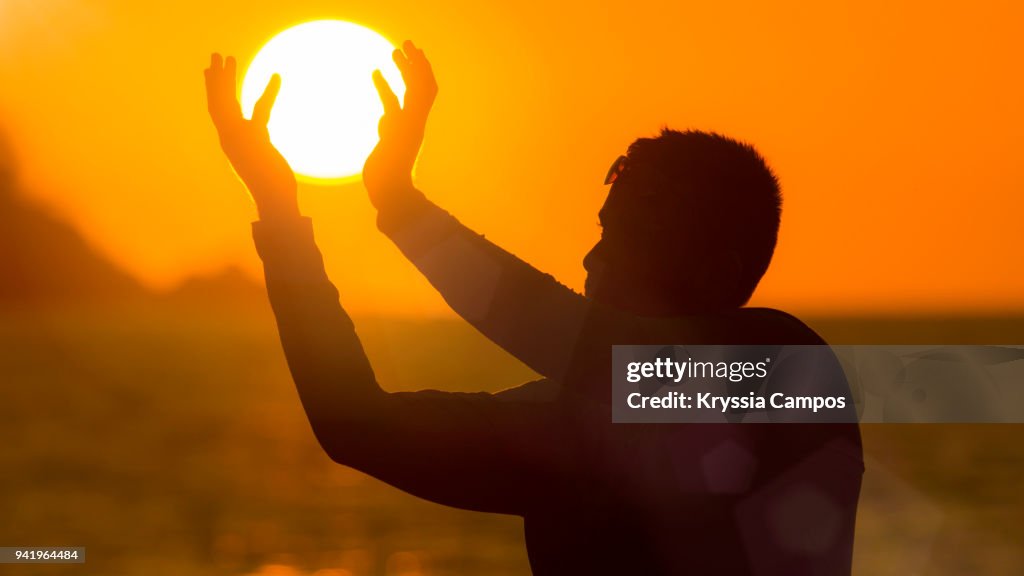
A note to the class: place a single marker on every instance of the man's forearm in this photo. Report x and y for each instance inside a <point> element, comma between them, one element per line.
<point>331,372</point>
<point>526,312</point>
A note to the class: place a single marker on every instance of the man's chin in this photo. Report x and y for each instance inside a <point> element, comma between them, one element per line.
<point>593,291</point>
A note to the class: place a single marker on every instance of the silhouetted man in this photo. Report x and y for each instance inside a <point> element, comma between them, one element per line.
<point>689,227</point>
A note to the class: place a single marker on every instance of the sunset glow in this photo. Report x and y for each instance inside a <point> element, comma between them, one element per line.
<point>325,118</point>
<point>898,148</point>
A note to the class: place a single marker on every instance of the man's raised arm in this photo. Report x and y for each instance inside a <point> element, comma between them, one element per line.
<point>470,450</point>
<point>525,311</point>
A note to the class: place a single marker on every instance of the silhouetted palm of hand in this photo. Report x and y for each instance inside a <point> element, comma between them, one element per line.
<point>246,143</point>
<point>387,172</point>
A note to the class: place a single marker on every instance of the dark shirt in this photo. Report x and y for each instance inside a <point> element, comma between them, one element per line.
<point>596,497</point>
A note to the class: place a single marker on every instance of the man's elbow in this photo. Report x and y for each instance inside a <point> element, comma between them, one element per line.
<point>336,441</point>
<point>346,441</point>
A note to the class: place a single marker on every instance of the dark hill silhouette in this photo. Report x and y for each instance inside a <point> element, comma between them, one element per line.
<point>43,260</point>
<point>228,289</point>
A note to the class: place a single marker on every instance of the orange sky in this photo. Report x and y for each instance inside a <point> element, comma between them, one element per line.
<point>894,126</point>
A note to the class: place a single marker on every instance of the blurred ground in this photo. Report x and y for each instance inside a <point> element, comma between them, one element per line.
<point>168,439</point>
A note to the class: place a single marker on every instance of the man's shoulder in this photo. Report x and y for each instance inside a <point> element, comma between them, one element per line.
<point>537,391</point>
<point>736,326</point>
<point>771,326</point>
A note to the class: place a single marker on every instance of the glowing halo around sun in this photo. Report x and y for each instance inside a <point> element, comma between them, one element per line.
<point>325,119</point>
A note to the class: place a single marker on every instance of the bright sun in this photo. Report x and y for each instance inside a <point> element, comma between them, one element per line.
<point>325,118</point>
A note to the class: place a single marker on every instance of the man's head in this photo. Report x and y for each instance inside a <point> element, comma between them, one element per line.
<point>689,226</point>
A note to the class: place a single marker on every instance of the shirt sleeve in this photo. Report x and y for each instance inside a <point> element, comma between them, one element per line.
<point>476,451</point>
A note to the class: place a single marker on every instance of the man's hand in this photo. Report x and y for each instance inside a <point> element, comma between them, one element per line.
<point>387,173</point>
<point>246,143</point>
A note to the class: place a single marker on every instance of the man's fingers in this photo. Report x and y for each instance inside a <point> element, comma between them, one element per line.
<point>387,96</point>
<point>417,57</point>
<point>420,85</point>
<point>220,91</point>
<point>417,67</point>
<point>213,76</point>
<point>401,61</point>
<point>417,60</point>
<point>410,49</point>
<point>261,111</point>
<point>212,73</point>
